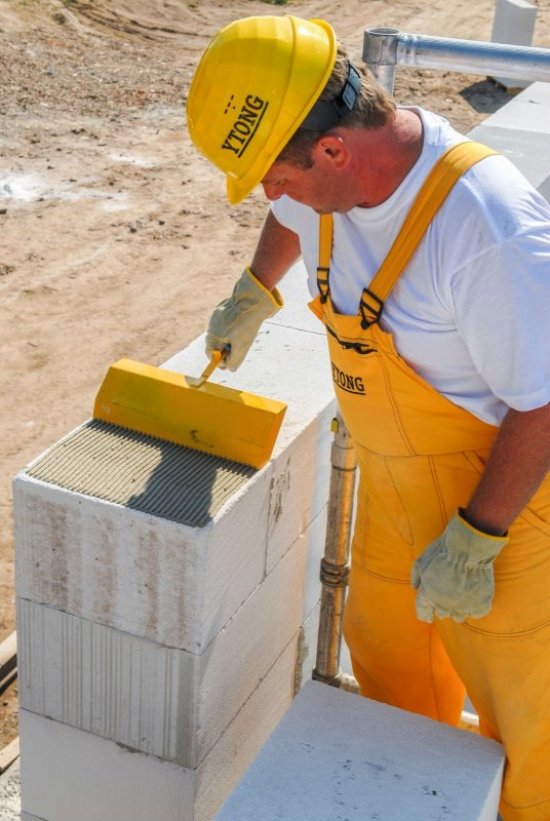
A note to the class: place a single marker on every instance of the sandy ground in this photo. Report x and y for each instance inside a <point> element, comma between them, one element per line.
<point>116,237</point>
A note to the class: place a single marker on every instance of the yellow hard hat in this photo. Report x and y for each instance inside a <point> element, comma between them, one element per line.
<point>255,84</point>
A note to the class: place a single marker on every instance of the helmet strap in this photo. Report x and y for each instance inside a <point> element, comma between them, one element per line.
<point>326,114</point>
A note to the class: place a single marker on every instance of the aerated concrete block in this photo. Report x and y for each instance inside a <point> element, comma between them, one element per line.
<point>233,753</point>
<point>299,481</point>
<point>160,700</point>
<point>366,760</point>
<point>141,574</point>
<point>241,655</point>
<point>513,24</point>
<point>312,542</point>
<point>108,683</point>
<point>306,654</point>
<point>70,774</point>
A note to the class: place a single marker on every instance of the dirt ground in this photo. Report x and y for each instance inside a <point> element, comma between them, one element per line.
<point>116,237</point>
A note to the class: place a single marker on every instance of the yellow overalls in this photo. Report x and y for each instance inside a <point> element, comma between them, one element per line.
<point>420,458</point>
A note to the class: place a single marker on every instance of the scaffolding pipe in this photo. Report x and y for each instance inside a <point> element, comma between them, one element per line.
<point>385,48</point>
<point>379,55</point>
<point>335,563</point>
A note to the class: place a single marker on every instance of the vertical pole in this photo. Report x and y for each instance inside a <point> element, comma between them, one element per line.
<point>380,55</point>
<point>335,563</point>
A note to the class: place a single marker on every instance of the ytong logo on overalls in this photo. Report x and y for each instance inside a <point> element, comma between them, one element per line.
<point>246,124</point>
<point>347,381</point>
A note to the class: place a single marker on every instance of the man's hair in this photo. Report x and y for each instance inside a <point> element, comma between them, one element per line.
<point>374,108</point>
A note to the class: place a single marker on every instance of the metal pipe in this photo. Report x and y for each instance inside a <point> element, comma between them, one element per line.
<point>384,48</point>
<point>380,55</point>
<point>335,563</point>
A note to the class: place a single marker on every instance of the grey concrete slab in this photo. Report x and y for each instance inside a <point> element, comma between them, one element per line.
<point>528,150</point>
<point>521,131</point>
<point>528,111</point>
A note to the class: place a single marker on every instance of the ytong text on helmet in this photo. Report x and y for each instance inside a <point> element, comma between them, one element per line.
<point>245,126</point>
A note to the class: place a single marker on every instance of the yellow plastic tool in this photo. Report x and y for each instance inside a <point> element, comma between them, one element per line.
<point>189,411</point>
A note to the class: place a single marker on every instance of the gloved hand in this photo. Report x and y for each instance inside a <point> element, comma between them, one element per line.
<point>454,576</point>
<point>236,321</point>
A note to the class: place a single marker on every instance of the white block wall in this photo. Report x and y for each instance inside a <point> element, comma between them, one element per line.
<point>155,658</point>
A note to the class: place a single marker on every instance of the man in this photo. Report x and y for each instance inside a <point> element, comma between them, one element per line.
<point>428,259</point>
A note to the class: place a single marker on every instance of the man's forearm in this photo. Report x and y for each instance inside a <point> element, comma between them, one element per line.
<point>518,463</point>
<point>278,248</point>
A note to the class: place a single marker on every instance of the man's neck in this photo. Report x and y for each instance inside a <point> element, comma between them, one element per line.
<point>388,154</point>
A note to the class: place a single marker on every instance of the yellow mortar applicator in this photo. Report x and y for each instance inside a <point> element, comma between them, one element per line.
<point>193,412</point>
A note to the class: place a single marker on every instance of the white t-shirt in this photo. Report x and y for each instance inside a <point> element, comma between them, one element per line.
<point>471,312</point>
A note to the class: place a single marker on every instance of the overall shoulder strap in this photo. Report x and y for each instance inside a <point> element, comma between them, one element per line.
<point>435,189</point>
<point>433,193</point>
<point>326,226</point>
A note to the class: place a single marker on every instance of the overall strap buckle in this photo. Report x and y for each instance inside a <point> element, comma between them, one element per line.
<point>325,253</point>
<point>322,283</point>
<point>370,308</point>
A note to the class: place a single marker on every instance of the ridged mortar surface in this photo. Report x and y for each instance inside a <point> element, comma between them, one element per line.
<point>142,473</point>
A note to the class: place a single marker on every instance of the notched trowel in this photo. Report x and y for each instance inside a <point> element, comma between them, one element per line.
<point>190,411</point>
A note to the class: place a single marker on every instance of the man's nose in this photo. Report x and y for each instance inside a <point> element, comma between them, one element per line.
<point>272,191</point>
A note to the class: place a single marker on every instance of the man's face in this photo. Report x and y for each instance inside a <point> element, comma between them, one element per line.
<point>320,187</point>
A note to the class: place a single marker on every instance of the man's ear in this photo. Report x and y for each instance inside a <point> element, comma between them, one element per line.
<point>333,149</point>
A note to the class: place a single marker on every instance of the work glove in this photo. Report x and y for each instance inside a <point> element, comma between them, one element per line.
<point>236,321</point>
<point>454,575</point>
